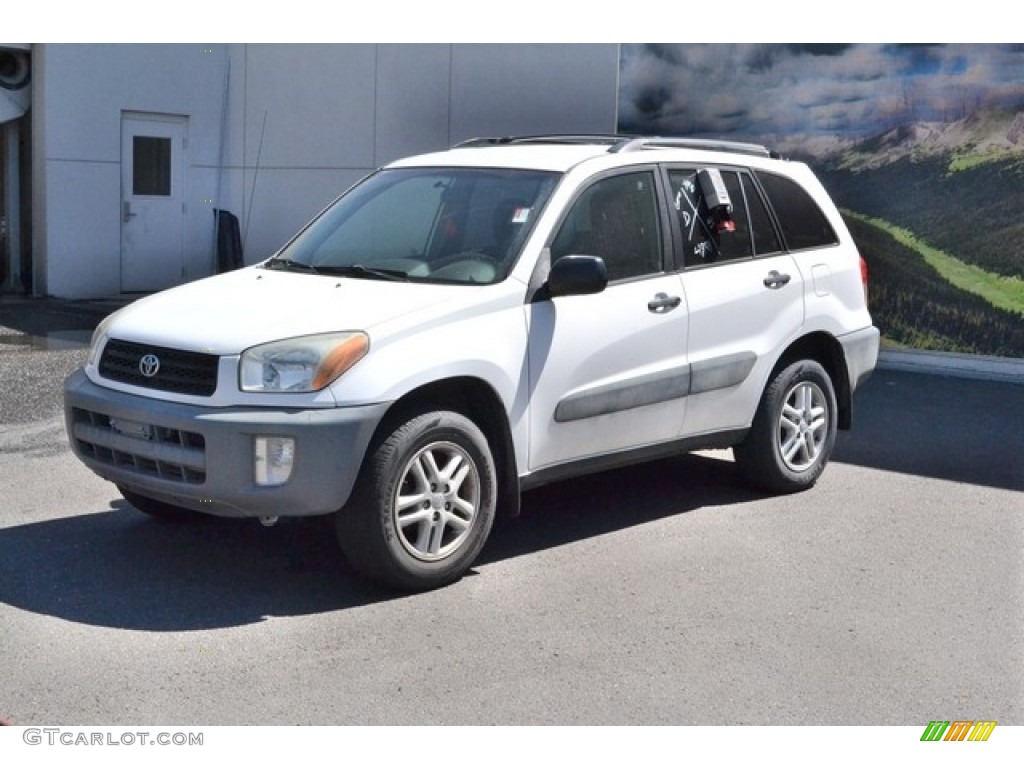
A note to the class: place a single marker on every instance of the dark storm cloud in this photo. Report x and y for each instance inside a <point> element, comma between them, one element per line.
<point>771,89</point>
<point>819,49</point>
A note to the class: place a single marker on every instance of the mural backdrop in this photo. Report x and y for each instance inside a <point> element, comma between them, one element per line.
<point>922,146</point>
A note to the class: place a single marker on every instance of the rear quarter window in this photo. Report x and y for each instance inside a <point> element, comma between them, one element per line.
<point>802,222</point>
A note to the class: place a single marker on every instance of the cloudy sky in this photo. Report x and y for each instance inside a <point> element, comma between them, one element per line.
<point>760,90</point>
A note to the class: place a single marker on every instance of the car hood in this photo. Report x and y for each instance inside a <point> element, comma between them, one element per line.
<point>229,313</point>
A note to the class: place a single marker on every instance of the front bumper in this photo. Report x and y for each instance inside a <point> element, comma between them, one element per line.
<point>202,458</point>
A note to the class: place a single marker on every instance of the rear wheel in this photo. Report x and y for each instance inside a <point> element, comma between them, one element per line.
<point>424,503</point>
<point>793,432</point>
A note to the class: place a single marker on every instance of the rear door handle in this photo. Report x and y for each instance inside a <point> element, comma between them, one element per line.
<point>776,279</point>
<point>662,303</point>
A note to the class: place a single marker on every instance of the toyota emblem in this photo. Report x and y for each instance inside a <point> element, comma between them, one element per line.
<point>149,365</point>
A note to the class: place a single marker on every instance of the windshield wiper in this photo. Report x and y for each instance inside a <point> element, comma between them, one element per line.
<point>361,270</point>
<point>291,265</point>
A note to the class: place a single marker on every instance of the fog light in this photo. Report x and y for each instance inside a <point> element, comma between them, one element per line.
<point>274,457</point>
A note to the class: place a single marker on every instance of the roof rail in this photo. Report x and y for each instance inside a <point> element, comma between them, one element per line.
<point>618,142</point>
<point>714,145</point>
<point>551,138</point>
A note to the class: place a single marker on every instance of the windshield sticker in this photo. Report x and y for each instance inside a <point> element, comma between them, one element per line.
<point>520,215</point>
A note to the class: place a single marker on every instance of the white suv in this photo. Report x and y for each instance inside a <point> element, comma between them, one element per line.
<point>464,325</point>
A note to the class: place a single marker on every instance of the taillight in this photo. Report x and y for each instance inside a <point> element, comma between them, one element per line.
<point>864,278</point>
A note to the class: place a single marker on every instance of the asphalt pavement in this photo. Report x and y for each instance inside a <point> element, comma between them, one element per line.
<point>49,322</point>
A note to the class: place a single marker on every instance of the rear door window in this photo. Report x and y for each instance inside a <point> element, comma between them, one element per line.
<point>752,232</point>
<point>802,222</point>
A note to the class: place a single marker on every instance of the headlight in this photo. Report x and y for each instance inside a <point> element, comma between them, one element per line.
<point>303,364</point>
<point>99,338</point>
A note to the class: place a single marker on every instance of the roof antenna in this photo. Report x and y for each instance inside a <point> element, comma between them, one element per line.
<point>256,172</point>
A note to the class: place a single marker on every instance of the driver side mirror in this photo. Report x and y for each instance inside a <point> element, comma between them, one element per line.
<point>577,275</point>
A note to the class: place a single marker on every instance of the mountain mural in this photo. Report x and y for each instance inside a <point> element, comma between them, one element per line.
<point>921,146</point>
<point>978,138</point>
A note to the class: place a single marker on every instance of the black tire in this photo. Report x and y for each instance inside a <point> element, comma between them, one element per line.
<point>423,505</point>
<point>158,509</point>
<point>793,432</point>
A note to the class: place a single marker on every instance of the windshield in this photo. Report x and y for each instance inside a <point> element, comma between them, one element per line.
<point>444,225</point>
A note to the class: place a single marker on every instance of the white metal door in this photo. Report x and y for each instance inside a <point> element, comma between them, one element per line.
<point>152,201</point>
<point>607,372</point>
<point>741,316</point>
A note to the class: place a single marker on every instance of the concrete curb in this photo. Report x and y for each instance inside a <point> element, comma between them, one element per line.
<point>1006,369</point>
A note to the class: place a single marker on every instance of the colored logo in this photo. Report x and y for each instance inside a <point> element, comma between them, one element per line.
<point>958,730</point>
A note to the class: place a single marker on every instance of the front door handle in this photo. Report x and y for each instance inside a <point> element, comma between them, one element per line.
<point>126,211</point>
<point>662,303</point>
<point>776,279</point>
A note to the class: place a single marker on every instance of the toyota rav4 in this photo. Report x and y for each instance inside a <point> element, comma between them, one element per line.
<point>461,326</point>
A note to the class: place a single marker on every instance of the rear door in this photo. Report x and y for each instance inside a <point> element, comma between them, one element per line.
<point>745,298</point>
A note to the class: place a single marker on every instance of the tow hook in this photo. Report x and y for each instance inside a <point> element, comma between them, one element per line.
<point>268,521</point>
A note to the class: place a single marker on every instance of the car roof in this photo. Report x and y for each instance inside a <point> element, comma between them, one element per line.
<point>542,158</point>
<point>561,152</point>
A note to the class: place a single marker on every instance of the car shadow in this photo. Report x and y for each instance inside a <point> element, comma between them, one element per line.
<point>594,505</point>
<point>964,430</point>
<point>119,568</point>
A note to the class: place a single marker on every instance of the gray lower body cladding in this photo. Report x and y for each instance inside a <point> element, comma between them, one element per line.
<point>203,458</point>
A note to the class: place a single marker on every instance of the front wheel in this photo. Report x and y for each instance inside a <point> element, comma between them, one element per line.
<point>793,431</point>
<point>423,505</point>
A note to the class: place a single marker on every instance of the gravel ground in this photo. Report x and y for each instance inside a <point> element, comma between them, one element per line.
<point>33,381</point>
<point>41,342</point>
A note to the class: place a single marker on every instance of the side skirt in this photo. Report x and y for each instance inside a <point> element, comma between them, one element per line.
<point>593,464</point>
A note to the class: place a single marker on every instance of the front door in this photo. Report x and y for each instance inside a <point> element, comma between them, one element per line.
<point>152,201</point>
<point>608,372</point>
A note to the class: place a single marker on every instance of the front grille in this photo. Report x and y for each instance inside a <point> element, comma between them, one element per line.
<point>145,449</point>
<point>187,373</point>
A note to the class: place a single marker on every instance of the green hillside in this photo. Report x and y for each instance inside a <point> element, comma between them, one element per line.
<point>973,213</point>
<point>998,290</point>
<point>913,305</point>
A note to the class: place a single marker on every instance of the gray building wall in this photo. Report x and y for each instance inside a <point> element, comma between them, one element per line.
<point>274,131</point>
